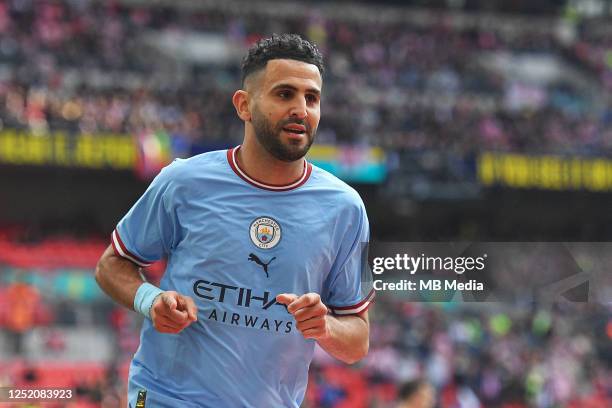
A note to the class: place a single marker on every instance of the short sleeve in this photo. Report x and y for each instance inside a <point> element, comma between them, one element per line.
<point>349,284</point>
<point>148,231</point>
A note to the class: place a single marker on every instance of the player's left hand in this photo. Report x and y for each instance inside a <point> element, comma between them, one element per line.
<point>309,312</point>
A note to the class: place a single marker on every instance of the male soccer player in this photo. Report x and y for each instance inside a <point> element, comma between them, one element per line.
<point>264,254</point>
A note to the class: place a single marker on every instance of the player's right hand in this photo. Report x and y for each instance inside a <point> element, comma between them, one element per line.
<point>172,312</point>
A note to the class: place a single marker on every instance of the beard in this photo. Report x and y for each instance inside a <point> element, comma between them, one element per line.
<point>270,137</point>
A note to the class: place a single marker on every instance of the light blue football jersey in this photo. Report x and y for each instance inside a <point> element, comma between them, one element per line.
<point>233,244</point>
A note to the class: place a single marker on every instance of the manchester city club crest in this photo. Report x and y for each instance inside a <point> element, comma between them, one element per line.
<point>265,232</point>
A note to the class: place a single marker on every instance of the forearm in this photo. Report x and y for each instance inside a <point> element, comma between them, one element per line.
<point>348,337</point>
<point>118,278</point>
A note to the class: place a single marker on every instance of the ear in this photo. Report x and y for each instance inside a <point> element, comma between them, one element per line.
<point>241,104</point>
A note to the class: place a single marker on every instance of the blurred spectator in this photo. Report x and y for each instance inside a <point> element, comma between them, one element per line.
<point>416,394</point>
<point>23,303</point>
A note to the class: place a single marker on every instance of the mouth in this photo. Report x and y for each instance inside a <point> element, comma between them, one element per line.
<point>295,129</point>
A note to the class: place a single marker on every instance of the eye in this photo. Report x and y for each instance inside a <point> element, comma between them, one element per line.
<point>312,98</point>
<point>284,94</point>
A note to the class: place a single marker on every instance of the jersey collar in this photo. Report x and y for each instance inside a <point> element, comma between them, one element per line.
<point>231,158</point>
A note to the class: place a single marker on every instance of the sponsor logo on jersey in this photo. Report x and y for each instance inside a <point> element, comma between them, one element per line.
<point>264,265</point>
<point>265,232</point>
<point>248,300</point>
<point>235,295</point>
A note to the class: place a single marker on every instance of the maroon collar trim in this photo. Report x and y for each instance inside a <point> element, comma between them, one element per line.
<point>231,159</point>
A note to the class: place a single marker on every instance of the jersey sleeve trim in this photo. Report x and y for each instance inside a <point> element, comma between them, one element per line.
<point>354,309</point>
<point>121,250</point>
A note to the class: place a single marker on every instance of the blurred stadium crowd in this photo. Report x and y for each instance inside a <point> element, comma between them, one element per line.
<point>444,82</point>
<point>90,67</point>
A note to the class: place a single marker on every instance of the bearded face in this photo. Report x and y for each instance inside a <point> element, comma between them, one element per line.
<point>284,101</point>
<point>287,140</point>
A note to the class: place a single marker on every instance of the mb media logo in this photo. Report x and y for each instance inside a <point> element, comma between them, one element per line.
<point>264,265</point>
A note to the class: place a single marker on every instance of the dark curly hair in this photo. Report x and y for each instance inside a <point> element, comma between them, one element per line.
<point>283,46</point>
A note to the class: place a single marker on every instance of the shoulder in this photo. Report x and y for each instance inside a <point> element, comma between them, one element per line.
<point>337,190</point>
<point>209,161</point>
<point>182,171</point>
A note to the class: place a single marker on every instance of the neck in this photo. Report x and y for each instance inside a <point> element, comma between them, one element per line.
<point>255,160</point>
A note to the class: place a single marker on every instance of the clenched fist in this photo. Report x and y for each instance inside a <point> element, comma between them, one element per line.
<point>309,313</point>
<point>171,312</point>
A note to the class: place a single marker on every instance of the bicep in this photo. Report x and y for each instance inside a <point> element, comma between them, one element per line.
<point>109,254</point>
<point>110,261</point>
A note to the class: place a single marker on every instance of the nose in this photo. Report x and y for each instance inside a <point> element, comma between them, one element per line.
<point>298,110</point>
